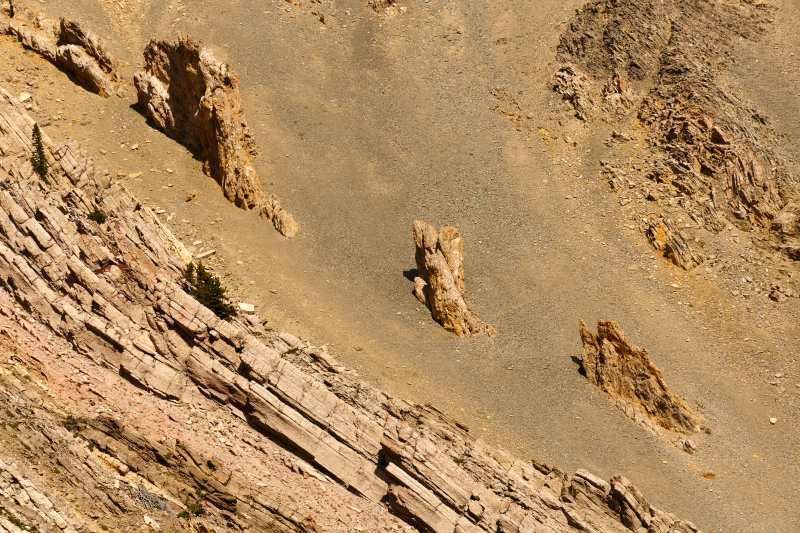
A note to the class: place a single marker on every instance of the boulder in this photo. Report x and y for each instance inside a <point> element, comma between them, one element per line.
<point>440,280</point>
<point>625,372</point>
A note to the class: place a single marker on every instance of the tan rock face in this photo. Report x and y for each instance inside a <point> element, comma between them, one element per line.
<point>440,280</point>
<point>194,98</point>
<point>625,372</point>
<point>67,44</point>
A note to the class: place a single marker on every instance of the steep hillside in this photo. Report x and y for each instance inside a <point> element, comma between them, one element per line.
<point>368,119</point>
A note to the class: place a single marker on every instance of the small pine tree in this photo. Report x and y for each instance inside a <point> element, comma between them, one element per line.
<point>39,159</point>
<point>207,289</point>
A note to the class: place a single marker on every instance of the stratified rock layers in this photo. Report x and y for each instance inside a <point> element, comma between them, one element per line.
<point>113,292</point>
<point>440,279</point>
<point>636,386</point>
<point>194,98</point>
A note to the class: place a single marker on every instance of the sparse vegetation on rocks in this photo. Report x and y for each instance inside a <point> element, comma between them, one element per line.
<point>97,215</point>
<point>207,289</point>
<point>39,158</point>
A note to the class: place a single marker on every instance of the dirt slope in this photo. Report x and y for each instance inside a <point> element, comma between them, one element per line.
<point>368,122</point>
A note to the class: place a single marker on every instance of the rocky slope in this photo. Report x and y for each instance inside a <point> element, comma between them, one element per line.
<point>112,292</point>
<point>656,70</point>
<point>343,116</point>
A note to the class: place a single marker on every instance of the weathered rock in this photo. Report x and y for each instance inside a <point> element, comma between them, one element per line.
<point>786,229</point>
<point>194,98</point>
<point>574,86</point>
<point>282,220</point>
<point>661,60</point>
<point>74,59</point>
<point>625,372</point>
<point>67,44</point>
<point>672,244</point>
<point>440,280</point>
<point>381,5</point>
<point>74,33</point>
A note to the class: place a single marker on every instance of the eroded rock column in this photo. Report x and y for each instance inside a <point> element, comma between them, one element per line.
<point>440,280</point>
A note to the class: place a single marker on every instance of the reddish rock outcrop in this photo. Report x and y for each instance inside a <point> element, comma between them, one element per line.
<point>633,383</point>
<point>440,280</point>
<point>68,45</point>
<point>194,98</point>
<point>112,292</point>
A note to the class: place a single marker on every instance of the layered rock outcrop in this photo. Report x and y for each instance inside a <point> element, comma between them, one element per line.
<point>671,243</point>
<point>633,382</point>
<point>439,284</point>
<point>112,292</point>
<point>657,65</point>
<point>194,98</point>
<point>67,44</point>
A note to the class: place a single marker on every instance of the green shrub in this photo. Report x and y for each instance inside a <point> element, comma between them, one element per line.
<point>39,159</point>
<point>97,215</point>
<point>207,289</point>
<point>194,508</point>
